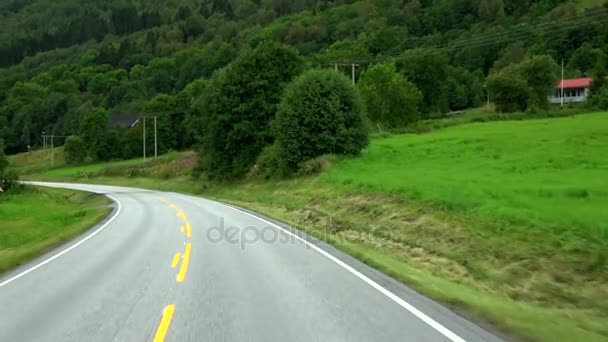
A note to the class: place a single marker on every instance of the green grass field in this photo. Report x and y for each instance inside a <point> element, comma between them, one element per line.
<point>542,173</point>
<point>34,220</point>
<point>506,220</point>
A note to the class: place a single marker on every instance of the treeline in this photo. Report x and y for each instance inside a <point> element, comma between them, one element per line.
<point>166,60</point>
<point>35,26</point>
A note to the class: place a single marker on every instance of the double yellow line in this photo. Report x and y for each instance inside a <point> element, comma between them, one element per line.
<point>165,321</point>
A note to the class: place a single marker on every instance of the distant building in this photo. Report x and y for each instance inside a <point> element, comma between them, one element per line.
<point>575,90</point>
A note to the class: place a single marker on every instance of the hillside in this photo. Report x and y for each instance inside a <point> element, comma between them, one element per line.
<point>505,220</point>
<point>62,60</point>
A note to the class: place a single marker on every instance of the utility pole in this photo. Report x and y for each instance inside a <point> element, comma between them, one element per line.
<point>488,101</point>
<point>155,140</point>
<point>353,68</point>
<point>52,151</point>
<point>562,85</point>
<point>485,88</point>
<point>48,141</point>
<point>336,66</point>
<point>144,138</point>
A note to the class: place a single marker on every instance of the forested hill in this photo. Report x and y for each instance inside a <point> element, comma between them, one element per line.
<point>61,59</point>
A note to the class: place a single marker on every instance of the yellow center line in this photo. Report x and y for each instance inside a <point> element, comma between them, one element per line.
<point>165,322</point>
<point>181,276</point>
<point>175,260</point>
<point>164,201</point>
<point>182,215</point>
<point>181,229</point>
<point>173,206</point>
<point>188,230</point>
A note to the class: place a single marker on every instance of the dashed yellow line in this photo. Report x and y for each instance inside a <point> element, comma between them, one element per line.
<point>175,260</point>
<point>181,276</point>
<point>165,322</point>
<point>182,215</point>
<point>181,229</point>
<point>188,230</point>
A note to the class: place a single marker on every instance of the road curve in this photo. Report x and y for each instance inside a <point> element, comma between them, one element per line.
<point>170,267</point>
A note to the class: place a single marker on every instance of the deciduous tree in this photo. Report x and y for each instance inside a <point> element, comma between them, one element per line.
<point>391,100</point>
<point>93,129</point>
<point>428,71</point>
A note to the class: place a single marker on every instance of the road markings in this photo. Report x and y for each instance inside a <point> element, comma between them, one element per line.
<point>188,230</point>
<point>175,260</point>
<point>182,215</point>
<point>181,229</point>
<point>165,322</point>
<point>104,226</point>
<point>173,206</point>
<point>181,276</point>
<point>407,306</point>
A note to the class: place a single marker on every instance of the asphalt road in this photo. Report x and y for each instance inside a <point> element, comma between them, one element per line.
<point>252,280</point>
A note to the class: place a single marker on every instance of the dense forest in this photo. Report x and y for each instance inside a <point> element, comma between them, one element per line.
<point>70,67</point>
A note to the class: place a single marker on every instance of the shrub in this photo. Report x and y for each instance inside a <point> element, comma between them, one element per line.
<point>390,99</point>
<point>268,162</point>
<point>315,165</point>
<point>321,113</point>
<point>75,150</point>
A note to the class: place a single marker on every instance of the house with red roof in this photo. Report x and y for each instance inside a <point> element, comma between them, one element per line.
<point>574,90</point>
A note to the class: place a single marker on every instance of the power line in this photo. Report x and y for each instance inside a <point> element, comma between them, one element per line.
<point>497,38</point>
<point>487,42</point>
<point>565,21</point>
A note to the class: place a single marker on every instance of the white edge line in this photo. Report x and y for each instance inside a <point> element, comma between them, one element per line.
<point>33,268</point>
<point>419,314</point>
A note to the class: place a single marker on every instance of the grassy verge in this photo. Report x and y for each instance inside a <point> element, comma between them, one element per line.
<point>38,161</point>
<point>482,114</point>
<point>34,220</point>
<point>505,220</point>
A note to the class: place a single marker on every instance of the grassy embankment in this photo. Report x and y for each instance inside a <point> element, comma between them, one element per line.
<point>34,220</point>
<point>506,220</point>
